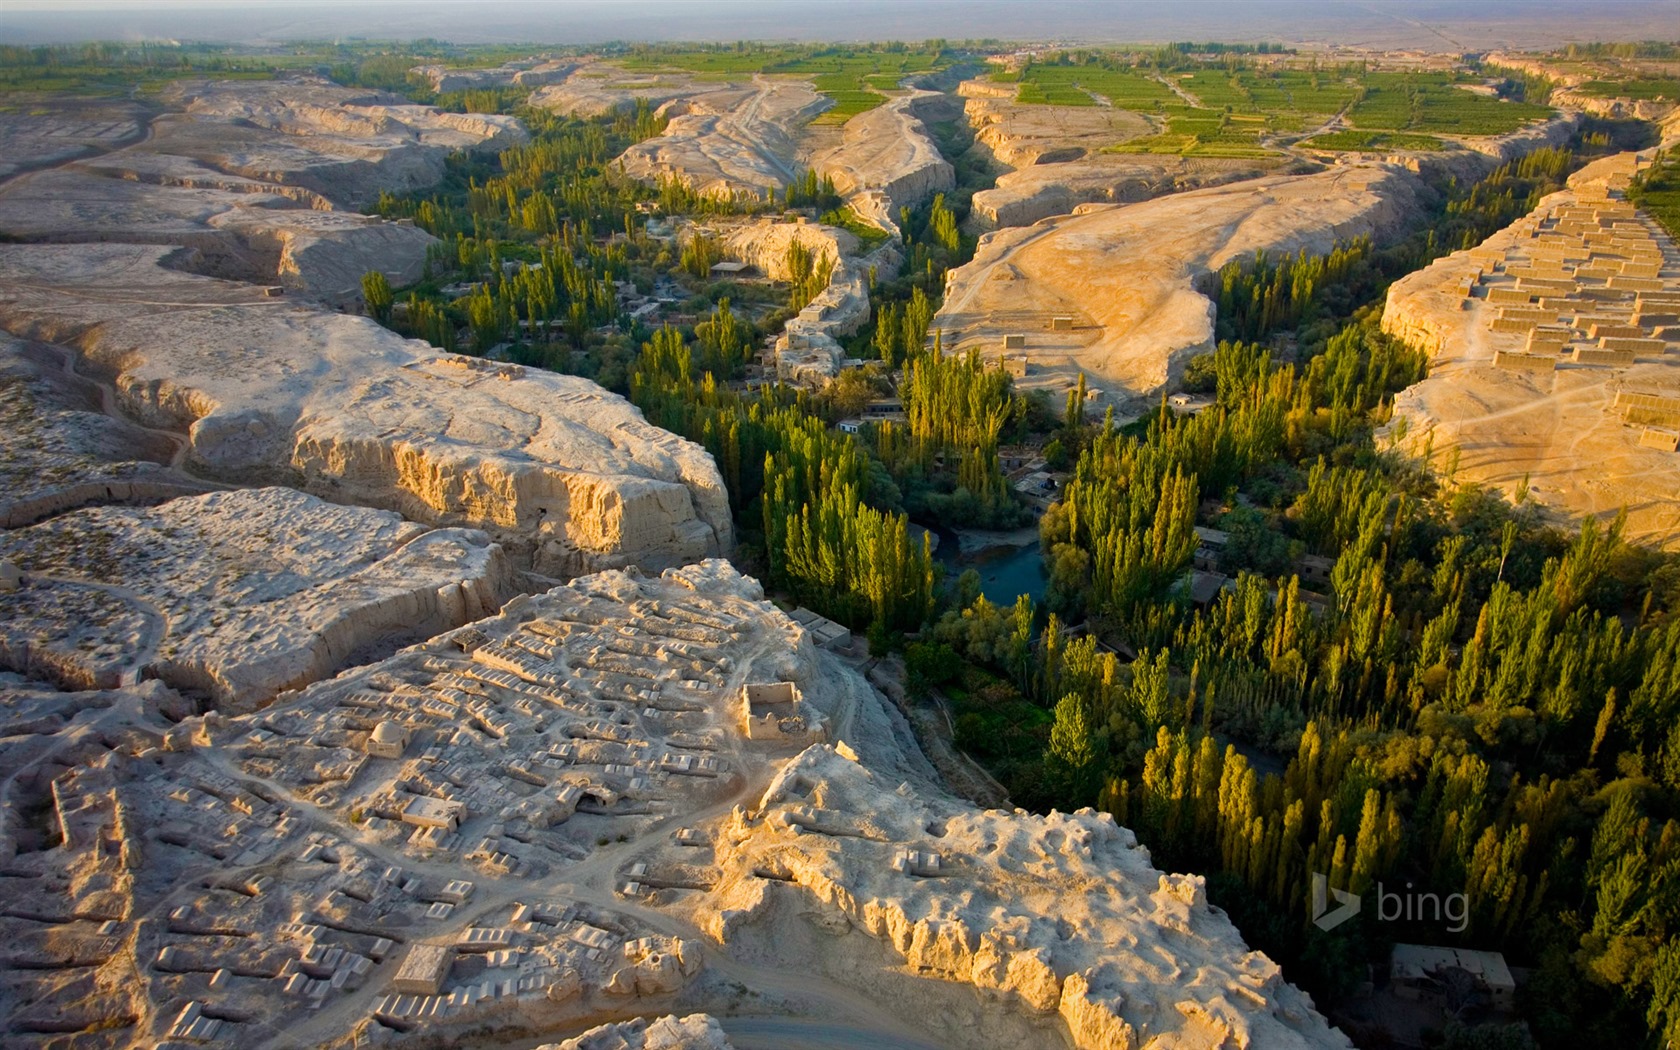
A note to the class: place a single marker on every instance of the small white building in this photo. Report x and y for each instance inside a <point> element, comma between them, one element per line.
<point>423,970</point>
<point>825,632</point>
<point>1420,971</point>
<point>388,740</point>
<point>428,812</point>
<point>921,863</point>
<point>774,711</point>
<point>730,269</point>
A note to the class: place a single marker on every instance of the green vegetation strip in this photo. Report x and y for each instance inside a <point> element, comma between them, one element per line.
<point>1648,90</point>
<point>1373,141</point>
<point>1657,190</point>
<point>1435,103</point>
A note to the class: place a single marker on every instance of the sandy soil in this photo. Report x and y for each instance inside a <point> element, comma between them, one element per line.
<point>262,179</point>
<point>1554,438</point>
<point>1125,275</point>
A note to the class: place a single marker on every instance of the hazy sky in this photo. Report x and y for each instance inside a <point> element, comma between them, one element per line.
<point>1461,24</point>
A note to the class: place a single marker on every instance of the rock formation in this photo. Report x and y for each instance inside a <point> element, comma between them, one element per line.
<point>735,139</point>
<point>555,815</point>
<point>235,594</point>
<point>1025,909</point>
<point>63,449</point>
<point>1125,276</point>
<point>752,137</point>
<point>1568,78</point>
<point>596,89</point>
<point>886,161</point>
<point>1510,407</point>
<point>354,142</point>
<point>765,244</point>
<point>569,476</point>
<point>322,253</point>
<point>694,1032</point>
<point>809,350</point>
<point>238,171</point>
<point>532,72</point>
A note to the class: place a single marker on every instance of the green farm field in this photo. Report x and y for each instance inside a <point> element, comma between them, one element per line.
<point>854,78</point>
<point>1230,110</point>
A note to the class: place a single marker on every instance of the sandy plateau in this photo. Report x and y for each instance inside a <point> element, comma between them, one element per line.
<point>65,449</point>
<point>1565,392</point>
<point>625,796</point>
<point>236,594</point>
<point>262,389</point>
<point>1124,276</point>
<point>67,130</point>
<point>248,175</point>
<point>1053,161</point>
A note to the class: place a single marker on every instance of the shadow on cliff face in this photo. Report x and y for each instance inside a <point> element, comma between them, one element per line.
<point>227,258</point>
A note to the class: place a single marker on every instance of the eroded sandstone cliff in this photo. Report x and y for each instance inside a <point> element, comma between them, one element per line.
<point>261,179</point>
<point>1549,423</point>
<point>734,139</point>
<point>237,595</point>
<point>610,800</point>
<point>1057,917</point>
<point>886,161</point>
<point>568,476</point>
<point>1125,277</point>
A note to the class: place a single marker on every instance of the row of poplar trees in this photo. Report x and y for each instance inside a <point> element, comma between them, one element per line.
<point>1472,702</point>
<point>822,540</point>
<point>556,195</point>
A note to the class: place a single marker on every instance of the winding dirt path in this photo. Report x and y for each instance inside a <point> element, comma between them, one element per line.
<point>108,405</point>
<point>146,133</point>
